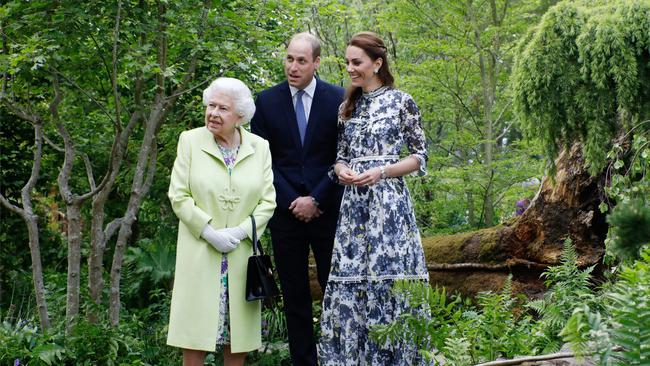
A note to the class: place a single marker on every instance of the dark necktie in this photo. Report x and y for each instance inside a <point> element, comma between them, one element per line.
<point>300,115</point>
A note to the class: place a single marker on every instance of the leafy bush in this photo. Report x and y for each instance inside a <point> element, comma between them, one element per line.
<point>462,333</point>
<point>629,230</point>
<point>494,324</point>
<point>624,322</point>
<point>138,340</point>
<point>22,342</point>
<point>567,286</point>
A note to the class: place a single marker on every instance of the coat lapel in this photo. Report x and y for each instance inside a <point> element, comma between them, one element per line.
<point>247,148</point>
<point>209,146</point>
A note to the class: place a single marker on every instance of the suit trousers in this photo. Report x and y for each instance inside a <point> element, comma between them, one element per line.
<point>291,245</point>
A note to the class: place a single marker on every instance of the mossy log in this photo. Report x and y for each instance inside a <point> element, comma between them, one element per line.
<point>564,207</point>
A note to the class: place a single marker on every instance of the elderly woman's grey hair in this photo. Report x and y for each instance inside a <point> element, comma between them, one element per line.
<point>238,91</point>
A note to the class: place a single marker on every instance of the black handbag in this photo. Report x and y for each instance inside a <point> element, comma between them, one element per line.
<point>260,279</point>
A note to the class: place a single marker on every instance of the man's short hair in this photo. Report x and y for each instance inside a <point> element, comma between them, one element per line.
<point>313,41</point>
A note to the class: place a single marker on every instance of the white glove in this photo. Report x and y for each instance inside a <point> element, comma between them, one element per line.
<point>219,239</point>
<point>236,232</point>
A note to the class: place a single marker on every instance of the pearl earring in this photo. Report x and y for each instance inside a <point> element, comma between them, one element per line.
<point>376,71</point>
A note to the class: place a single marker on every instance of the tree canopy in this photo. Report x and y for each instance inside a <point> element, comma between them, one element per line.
<point>582,74</point>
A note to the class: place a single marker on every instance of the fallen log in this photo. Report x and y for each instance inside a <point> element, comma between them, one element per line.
<point>564,207</point>
<point>482,260</point>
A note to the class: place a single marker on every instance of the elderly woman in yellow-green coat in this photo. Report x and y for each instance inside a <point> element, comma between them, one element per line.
<point>222,175</point>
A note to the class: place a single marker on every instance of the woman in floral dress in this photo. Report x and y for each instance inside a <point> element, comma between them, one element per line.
<point>377,240</point>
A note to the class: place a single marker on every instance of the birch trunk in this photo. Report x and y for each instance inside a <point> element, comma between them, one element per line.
<point>31,220</point>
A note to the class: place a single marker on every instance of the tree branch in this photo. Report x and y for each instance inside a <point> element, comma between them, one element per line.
<point>20,112</point>
<point>189,73</point>
<point>514,262</point>
<point>550,356</point>
<point>36,168</point>
<point>505,107</point>
<point>84,92</point>
<point>111,228</point>
<point>89,172</point>
<point>64,175</point>
<point>5,50</point>
<point>162,52</point>
<point>52,144</point>
<point>10,206</point>
<point>116,93</point>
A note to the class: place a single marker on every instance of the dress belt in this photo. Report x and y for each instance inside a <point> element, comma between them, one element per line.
<point>374,157</point>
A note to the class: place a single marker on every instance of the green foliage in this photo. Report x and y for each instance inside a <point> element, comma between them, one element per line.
<point>456,329</point>
<point>428,332</point>
<point>495,324</point>
<point>623,322</point>
<point>567,286</point>
<point>451,55</point>
<point>581,75</point>
<point>25,342</point>
<point>629,230</point>
<point>274,323</point>
<point>148,266</point>
<point>139,340</point>
<point>628,168</point>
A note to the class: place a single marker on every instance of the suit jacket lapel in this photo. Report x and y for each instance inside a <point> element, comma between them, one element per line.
<point>290,114</point>
<point>314,113</point>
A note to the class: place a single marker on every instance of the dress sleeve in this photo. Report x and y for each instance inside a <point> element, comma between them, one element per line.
<point>342,149</point>
<point>416,141</point>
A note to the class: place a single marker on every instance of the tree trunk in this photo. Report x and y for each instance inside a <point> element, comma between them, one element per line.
<point>116,269</point>
<point>74,262</point>
<point>142,179</point>
<point>37,270</point>
<point>566,208</point>
<point>27,211</point>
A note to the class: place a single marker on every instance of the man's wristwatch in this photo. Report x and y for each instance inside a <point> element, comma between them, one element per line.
<point>313,200</point>
<point>382,170</point>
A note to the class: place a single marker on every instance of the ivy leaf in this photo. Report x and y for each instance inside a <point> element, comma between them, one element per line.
<point>603,207</point>
<point>49,353</point>
<point>618,164</point>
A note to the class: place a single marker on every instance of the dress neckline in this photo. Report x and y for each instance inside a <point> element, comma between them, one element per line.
<point>376,92</point>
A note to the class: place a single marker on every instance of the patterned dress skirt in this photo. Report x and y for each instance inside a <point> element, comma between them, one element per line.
<point>377,243</point>
<point>223,334</point>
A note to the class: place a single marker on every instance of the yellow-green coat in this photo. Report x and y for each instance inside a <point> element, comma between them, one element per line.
<point>202,191</point>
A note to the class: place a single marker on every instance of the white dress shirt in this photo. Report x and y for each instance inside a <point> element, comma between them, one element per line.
<point>307,97</point>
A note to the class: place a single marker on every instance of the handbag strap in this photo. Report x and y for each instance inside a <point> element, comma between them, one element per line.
<point>256,243</point>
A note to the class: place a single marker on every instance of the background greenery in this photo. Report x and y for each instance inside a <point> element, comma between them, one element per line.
<point>479,71</point>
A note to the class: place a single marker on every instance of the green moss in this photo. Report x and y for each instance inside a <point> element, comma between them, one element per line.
<point>445,248</point>
<point>490,241</point>
<point>475,246</point>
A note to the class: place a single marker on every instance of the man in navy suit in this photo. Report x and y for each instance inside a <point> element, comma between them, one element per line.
<point>299,119</point>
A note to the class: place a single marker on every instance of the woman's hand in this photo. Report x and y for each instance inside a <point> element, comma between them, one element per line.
<point>345,174</point>
<point>221,240</point>
<point>368,178</point>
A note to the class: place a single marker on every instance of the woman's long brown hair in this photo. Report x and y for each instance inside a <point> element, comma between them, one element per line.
<point>374,47</point>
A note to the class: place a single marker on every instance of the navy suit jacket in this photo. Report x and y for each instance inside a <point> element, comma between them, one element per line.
<point>301,170</point>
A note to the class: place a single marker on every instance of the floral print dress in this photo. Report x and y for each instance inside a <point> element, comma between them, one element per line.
<point>223,335</point>
<point>377,241</point>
